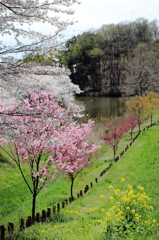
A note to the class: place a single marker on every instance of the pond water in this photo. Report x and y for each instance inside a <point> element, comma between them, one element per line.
<point>102,107</point>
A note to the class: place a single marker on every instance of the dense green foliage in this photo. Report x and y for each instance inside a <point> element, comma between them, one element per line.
<point>102,61</point>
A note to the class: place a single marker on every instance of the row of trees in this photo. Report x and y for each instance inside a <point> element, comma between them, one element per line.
<point>117,58</point>
<point>139,109</point>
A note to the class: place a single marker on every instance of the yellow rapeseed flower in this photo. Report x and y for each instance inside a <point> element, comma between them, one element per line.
<point>122,180</point>
<point>140,188</point>
<point>108,214</point>
<point>101,196</point>
<point>102,209</point>
<point>110,187</point>
<point>125,199</point>
<point>111,199</point>
<point>108,218</point>
<point>116,191</point>
<point>129,187</point>
<point>112,208</point>
<point>42,231</point>
<point>130,193</point>
<point>133,210</point>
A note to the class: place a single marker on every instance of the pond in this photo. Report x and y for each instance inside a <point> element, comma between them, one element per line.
<point>102,107</point>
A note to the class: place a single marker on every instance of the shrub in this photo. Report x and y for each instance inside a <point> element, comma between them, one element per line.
<point>131,214</point>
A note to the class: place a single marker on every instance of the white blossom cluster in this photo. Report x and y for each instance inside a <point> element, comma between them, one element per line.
<point>17,16</point>
<point>17,76</point>
<point>15,87</point>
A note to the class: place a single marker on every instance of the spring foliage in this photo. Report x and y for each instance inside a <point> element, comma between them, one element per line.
<point>140,108</point>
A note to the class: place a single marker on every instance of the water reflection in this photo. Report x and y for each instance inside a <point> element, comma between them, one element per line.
<point>102,107</point>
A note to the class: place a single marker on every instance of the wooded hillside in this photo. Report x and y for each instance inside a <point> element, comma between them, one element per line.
<point>115,60</point>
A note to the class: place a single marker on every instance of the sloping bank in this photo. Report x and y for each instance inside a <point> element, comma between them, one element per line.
<point>84,218</point>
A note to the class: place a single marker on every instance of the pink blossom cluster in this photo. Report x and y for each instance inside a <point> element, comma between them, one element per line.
<point>114,133</point>
<point>73,153</point>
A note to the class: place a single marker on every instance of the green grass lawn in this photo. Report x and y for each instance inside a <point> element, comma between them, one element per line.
<point>85,217</point>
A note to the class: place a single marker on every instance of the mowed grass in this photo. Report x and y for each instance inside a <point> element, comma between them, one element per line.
<point>83,219</point>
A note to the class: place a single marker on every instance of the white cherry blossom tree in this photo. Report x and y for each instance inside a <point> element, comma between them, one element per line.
<point>25,21</point>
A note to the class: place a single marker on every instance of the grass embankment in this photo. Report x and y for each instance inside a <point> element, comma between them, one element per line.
<point>85,217</point>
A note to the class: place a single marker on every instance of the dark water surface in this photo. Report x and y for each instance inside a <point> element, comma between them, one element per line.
<point>102,107</point>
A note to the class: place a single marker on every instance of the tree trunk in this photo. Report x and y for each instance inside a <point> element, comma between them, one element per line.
<point>131,134</point>
<point>114,154</point>
<point>151,120</point>
<point>33,206</point>
<point>71,188</point>
<point>139,126</point>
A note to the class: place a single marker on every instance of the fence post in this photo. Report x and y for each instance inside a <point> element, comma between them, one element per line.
<point>2,232</point>
<point>117,159</point>
<point>58,207</point>
<point>48,213</point>
<point>22,227</point>
<point>63,204</point>
<point>37,217</point>
<point>54,209</point>
<point>43,217</point>
<point>28,221</point>
<point>81,193</point>
<point>85,190</point>
<point>10,227</point>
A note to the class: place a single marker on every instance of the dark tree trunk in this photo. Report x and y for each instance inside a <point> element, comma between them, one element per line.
<point>33,206</point>
<point>114,153</point>
<point>151,120</point>
<point>139,126</point>
<point>71,188</point>
<point>131,134</point>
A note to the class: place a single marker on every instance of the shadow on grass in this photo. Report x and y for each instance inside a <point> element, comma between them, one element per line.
<point>3,159</point>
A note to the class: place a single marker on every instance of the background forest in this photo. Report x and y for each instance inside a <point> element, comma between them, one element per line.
<point>115,60</point>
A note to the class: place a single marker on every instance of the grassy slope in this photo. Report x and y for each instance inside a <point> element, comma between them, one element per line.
<point>16,199</point>
<point>81,219</point>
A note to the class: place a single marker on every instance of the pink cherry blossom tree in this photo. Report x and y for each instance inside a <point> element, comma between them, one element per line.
<point>73,153</point>
<point>39,133</point>
<point>129,125</point>
<point>113,135</point>
<point>29,127</point>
